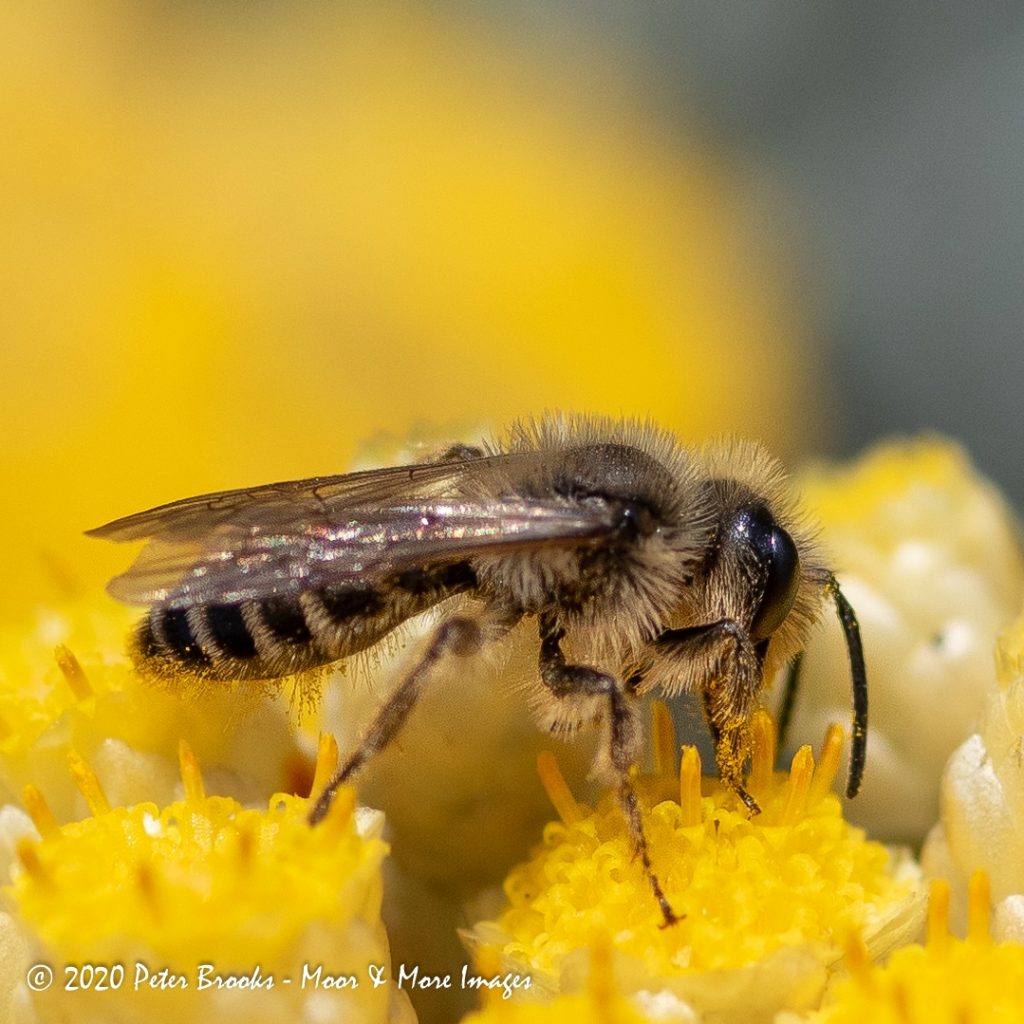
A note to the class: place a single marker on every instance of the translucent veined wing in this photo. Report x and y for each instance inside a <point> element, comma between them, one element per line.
<point>284,538</point>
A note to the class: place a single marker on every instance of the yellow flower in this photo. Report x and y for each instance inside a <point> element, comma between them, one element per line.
<point>770,898</point>
<point>927,553</point>
<point>250,894</point>
<point>600,1003</point>
<point>66,685</point>
<point>983,798</point>
<point>946,981</point>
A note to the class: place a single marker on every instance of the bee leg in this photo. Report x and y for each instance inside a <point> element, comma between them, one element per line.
<point>460,636</point>
<point>567,682</point>
<point>732,668</point>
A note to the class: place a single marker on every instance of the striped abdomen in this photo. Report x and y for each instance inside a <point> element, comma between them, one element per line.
<point>277,636</point>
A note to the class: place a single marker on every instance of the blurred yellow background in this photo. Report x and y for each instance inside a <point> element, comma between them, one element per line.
<point>243,240</point>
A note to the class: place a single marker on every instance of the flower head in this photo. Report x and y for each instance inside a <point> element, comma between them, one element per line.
<point>775,895</point>
<point>206,881</point>
<point>927,553</point>
<point>945,981</point>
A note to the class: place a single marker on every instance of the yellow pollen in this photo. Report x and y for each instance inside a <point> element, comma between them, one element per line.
<point>828,764</point>
<point>979,906</point>
<point>5,728</point>
<point>88,785</point>
<point>557,788</point>
<point>689,787</point>
<point>326,763</point>
<point>191,773</point>
<point>28,856</point>
<point>39,811</point>
<point>762,753</point>
<point>74,675</point>
<point>801,771</point>
<point>663,739</point>
<point>938,936</point>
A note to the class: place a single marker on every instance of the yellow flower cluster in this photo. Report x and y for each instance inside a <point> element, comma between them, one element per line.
<point>775,895</point>
<point>927,553</point>
<point>208,905</point>
<point>945,981</point>
<point>66,685</point>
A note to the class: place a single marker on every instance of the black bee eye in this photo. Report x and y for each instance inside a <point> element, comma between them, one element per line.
<point>778,564</point>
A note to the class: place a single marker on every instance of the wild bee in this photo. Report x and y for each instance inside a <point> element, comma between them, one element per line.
<point>646,565</point>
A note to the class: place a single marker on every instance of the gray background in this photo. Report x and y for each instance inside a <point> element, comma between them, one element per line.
<point>893,133</point>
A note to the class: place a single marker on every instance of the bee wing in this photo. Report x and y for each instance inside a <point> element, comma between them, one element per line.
<point>328,532</point>
<point>288,502</point>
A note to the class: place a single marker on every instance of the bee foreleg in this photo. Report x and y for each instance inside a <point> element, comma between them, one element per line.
<point>460,636</point>
<point>731,669</point>
<point>574,681</point>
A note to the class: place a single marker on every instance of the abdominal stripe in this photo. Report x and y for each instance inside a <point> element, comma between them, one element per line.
<point>278,635</point>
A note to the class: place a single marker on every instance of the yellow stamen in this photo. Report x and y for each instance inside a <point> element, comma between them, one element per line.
<point>689,787</point>
<point>28,855</point>
<point>801,771</point>
<point>979,906</point>
<point>326,763</point>
<point>557,788</point>
<point>858,963</point>
<point>88,785</point>
<point>5,728</point>
<point>938,914</point>
<point>828,764</point>
<point>663,739</point>
<point>191,773</point>
<point>39,811</point>
<point>341,810</point>
<point>246,842</point>
<point>74,675</point>
<point>762,753</point>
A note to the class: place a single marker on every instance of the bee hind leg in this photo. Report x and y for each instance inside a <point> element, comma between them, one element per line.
<point>567,682</point>
<point>460,636</point>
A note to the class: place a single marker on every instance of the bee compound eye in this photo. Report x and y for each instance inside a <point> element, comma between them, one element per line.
<point>777,566</point>
<point>781,561</point>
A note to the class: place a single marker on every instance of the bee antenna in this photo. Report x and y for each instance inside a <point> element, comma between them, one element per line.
<point>859,742</point>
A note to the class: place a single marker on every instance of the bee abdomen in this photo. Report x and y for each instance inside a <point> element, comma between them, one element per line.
<point>281,635</point>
